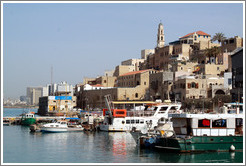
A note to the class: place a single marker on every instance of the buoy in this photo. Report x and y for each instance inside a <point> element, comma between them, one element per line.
<point>232,148</point>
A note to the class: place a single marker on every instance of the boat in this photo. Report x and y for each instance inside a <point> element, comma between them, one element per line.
<point>123,120</point>
<point>60,126</point>
<point>28,119</point>
<point>222,131</point>
<point>147,139</point>
<point>6,123</point>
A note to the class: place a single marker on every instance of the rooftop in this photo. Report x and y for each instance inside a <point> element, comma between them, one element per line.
<point>134,72</point>
<point>197,32</point>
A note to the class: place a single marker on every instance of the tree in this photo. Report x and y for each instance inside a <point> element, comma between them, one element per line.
<point>219,37</point>
<point>212,52</point>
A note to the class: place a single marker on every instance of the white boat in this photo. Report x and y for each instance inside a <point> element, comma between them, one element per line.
<point>147,119</point>
<point>60,126</point>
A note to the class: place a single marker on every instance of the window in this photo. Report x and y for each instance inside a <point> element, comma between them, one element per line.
<point>105,81</point>
<point>163,108</point>
<point>193,85</point>
<point>218,68</point>
<point>137,121</point>
<point>132,121</point>
<point>141,121</point>
<point>144,83</point>
<point>219,123</point>
<point>195,38</point>
<point>204,123</point>
<point>136,95</point>
<point>127,121</point>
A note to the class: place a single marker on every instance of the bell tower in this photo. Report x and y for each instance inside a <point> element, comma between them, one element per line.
<point>160,36</point>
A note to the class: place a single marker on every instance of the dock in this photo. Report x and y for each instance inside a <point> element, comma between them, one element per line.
<point>42,119</point>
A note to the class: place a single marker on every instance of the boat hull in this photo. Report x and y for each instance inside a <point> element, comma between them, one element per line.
<point>200,143</point>
<point>60,130</point>
<point>28,121</point>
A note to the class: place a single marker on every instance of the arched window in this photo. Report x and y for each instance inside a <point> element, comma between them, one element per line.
<point>136,95</point>
<point>193,85</point>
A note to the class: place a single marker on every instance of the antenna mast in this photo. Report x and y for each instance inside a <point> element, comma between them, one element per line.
<point>51,80</point>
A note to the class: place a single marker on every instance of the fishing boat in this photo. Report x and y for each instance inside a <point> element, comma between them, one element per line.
<point>123,120</point>
<point>221,131</point>
<point>28,119</point>
<point>60,126</point>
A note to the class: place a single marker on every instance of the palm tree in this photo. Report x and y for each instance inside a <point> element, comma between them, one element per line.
<point>212,52</point>
<point>219,37</point>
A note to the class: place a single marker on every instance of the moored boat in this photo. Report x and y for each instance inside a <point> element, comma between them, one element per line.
<point>61,126</point>
<point>28,119</point>
<point>124,120</point>
<point>204,132</point>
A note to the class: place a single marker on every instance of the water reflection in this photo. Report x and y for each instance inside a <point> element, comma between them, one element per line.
<point>93,147</point>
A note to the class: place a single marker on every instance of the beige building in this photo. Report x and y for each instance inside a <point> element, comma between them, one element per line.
<point>195,37</point>
<point>56,104</point>
<point>160,85</point>
<point>94,98</point>
<point>122,69</point>
<point>136,78</point>
<point>195,87</point>
<point>210,69</point>
<point>229,45</point>
<point>146,52</point>
<point>188,67</point>
<point>106,81</point>
<point>133,62</point>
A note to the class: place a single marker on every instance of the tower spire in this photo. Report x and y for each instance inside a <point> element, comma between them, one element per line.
<point>160,36</point>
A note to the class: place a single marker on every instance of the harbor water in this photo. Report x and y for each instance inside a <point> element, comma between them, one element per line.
<point>22,146</point>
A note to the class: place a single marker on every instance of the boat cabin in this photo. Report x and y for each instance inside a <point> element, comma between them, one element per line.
<point>29,115</point>
<point>207,124</point>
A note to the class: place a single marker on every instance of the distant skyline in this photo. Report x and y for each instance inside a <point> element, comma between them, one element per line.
<point>85,39</point>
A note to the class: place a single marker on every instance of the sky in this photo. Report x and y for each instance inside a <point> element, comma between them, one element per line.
<point>85,39</point>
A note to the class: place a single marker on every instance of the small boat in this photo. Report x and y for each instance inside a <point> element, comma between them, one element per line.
<point>147,139</point>
<point>61,126</point>
<point>28,119</point>
<point>6,123</point>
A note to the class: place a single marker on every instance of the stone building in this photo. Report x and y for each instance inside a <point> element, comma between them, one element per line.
<point>160,85</point>
<point>133,62</point>
<point>122,69</point>
<point>210,69</point>
<point>229,45</point>
<point>135,78</point>
<point>146,52</point>
<point>195,87</point>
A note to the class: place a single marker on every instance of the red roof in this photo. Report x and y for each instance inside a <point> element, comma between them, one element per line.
<point>134,72</point>
<point>197,32</point>
<point>97,85</point>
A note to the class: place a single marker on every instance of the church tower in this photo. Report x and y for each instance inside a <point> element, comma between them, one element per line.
<point>160,36</point>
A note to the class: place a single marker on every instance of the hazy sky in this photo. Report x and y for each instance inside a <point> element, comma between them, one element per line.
<point>83,40</point>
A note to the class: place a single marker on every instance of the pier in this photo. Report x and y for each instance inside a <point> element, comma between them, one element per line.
<point>17,120</point>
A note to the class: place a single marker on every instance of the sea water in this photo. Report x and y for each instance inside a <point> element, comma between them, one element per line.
<point>22,146</point>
